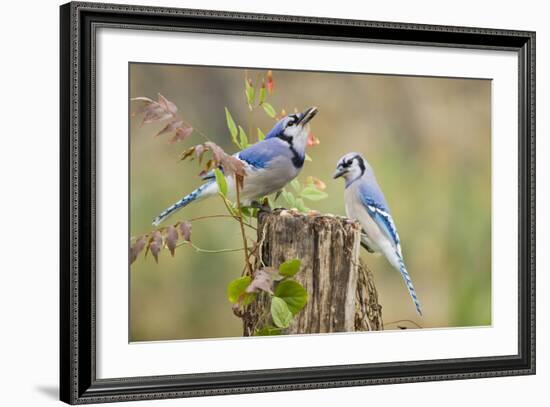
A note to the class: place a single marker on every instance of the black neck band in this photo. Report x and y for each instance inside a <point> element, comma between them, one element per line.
<point>297,160</point>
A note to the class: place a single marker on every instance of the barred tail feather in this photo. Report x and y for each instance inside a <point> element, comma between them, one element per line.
<point>201,192</point>
<point>410,287</point>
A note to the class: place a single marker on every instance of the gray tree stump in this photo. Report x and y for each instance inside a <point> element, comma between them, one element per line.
<point>341,290</point>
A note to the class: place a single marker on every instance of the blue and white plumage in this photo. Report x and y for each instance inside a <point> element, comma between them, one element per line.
<point>366,203</point>
<point>269,164</point>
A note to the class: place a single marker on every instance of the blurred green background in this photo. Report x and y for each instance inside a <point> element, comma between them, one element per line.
<point>428,140</point>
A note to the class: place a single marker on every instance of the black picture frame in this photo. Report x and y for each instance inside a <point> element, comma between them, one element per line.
<point>78,382</point>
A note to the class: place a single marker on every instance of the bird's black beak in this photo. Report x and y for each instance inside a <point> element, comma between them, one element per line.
<point>307,115</point>
<point>339,172</point>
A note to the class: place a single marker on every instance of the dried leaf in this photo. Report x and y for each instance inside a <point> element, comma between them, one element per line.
<point>263,280</point>
<point>155,111</point>
<point>240,181</point>
<point>155,244</point>
<point>171,239</point>
<point>217,152</point>
<point>144,102</point>
<point>137,248</point>
<point>233,165</point>
<point>199,151</point>
<point>188,153</point>
<point>185,230</point>
<point>167,105</point>
<point>170,127</point>
<point>209,165</point>
<point>182,133</point>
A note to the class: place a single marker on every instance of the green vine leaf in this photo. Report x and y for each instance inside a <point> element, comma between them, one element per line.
<point>262,92</point>
<point>313,194</point>
<point>295,184</point>
<point>280,313</point>
<point>293,294</point>
<point>232,127</point>
<point>290,267</point>
<point>300,205</point>
<point>268,331</point>
<point>261,135</point>
<point>237,288</point>
<point>250,92</point>
<point>243,138</point>
<point>289,198</point>
<point>221,181</point>
<point>269,110</point>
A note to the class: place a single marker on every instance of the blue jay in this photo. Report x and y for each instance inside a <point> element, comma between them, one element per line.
<point>270,164</point>
<point>365,203</point>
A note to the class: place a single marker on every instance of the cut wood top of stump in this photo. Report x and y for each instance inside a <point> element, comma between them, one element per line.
<point>313,214</point>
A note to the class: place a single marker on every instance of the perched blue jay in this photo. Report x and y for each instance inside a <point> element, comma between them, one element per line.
<point>365,203</point>
<point>269,164</point>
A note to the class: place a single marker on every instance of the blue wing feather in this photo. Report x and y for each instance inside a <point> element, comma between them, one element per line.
<point>374,201</point>
<point>258,155</point>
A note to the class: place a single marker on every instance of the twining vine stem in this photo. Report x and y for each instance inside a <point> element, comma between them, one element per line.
<point>201,250</point>
<point>241,223</point>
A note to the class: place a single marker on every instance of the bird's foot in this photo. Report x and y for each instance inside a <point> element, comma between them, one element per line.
<point>262,207</point>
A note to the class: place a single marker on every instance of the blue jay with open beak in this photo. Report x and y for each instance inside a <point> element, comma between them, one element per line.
<point>365,203</point>
<point>270,164</point>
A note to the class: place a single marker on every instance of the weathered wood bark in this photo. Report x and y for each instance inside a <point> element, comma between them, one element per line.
<point>342,294</point>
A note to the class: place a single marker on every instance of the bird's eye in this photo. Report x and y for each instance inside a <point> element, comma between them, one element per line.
<point>290,123</point>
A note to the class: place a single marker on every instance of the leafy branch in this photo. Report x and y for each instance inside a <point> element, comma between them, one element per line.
<point>286,295</point>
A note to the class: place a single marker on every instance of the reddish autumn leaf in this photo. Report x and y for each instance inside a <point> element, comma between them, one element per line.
<point>270,83</point>
<point>171,239</point>
<point>185,230</point>
<point>312,140</point>
<point>316,182</point>
<point>137,248</point>
<point>182,133</point>
<point>170,127</point>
